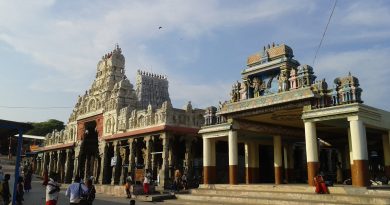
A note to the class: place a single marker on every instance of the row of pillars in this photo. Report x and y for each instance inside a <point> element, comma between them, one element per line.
<point>358,152</point>
<point>251,160</point>
<point>357,147</point>
<point>56,161</point>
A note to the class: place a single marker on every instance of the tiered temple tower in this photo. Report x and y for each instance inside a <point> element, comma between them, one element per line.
<point>151,89</point>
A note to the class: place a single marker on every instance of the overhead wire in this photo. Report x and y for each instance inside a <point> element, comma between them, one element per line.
<point>323,35</point>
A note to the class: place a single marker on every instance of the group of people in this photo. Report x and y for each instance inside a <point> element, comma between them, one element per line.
<point>147,180</point>
<point>23,184</point>
<point>78,192</point>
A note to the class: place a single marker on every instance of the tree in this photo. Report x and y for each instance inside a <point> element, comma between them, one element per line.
<point>43,128</point>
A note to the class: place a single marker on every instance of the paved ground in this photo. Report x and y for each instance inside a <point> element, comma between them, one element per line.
<point>37,195</point>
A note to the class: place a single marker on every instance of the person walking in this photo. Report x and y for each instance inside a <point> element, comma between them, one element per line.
<point>27,180</point>
<point>129,183</point>
<point>6,194</point>
<point>76,191</point>
<point>91,192</point>
<point>19,192</point>
<point>52,190</point>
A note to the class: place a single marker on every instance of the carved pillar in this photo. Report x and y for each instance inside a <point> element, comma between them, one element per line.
<point>131,156</point>
<point>68,166</point>
<point>188,156</point>
<point>311,151</point>
<point>147,160</point>
<point>170,158</point>
<point>164,176</point>
<point>51,162</point>
<point>44,163</point>
<point>59,164</point>
<point>104,165</point>
<point>76,168</point>
<point>116,168</point>
<point>124,159</point>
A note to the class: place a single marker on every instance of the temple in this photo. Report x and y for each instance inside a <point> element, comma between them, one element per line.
<point>280,125</point>
<point>115,129</point>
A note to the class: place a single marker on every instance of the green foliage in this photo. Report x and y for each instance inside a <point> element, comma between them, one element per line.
<point>43,128</point>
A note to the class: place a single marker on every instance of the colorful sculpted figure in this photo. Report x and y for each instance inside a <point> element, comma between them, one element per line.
<point>283,81</point>
<point>257,87</point>
<point>293,79</point>
<point>243,91</point>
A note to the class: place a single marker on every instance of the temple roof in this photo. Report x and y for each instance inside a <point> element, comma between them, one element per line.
<point>269,53</point>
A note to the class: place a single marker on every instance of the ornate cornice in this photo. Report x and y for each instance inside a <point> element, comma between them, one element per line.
<point>269,100</point>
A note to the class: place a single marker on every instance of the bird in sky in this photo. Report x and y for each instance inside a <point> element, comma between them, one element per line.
<point>160,27</point>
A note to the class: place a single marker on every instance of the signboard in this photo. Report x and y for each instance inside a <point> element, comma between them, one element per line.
<point>139,175</point>
<point>113,161</point>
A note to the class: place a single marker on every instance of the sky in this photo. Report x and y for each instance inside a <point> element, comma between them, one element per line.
<point>49,49</point>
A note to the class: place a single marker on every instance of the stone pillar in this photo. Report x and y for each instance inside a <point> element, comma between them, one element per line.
<point>131,156</point>
<point>125,159</point>
<point>115,169</point>
<point>386,153</point>
<point>170,159</point>
<point>148,145</point>
<point>76,168</point>
<point>278,159</point>
<point>104,166</point>
<point>51,162</point>
<point>233,157</point>
<point>188,157</point>
<point>251,162</point>
<point>209,170</point>
<point>68,166</point>
<point>360,153</point>
<point>164,176</point>
<point>311,151</point>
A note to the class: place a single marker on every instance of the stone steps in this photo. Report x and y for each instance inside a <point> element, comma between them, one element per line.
<point>251,200</point>
<point>281,194</point>
<point>342,198</point>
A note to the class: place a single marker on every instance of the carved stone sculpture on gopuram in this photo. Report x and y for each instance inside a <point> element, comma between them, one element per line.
<point>274,74</point>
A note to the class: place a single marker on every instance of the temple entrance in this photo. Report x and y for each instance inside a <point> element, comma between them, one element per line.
<point>89,152</point>
<point>222,162</point>
<point>266,164</point>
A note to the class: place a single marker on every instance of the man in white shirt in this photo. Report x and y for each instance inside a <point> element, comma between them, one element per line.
<point>75,191</point>
<point>52,190</point>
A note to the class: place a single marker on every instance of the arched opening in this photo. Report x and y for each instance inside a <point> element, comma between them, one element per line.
<point>89,152</point>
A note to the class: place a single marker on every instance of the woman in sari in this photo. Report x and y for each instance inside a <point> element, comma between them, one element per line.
<point>320,185</point>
